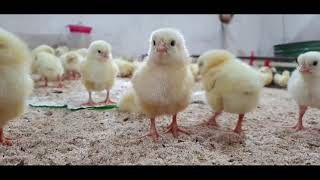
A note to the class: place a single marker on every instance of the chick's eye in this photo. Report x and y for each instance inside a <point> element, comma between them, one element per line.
<point>99,51</point>
<point>315,63</point>
<point>173,43</point>
<point>154,42</point>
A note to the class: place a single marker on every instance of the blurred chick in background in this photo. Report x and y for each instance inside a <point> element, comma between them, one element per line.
<point>49,68</point>
<point>35,51</point>
<point>125,67</point>
<point>99,71</point>
<point>163,85</point>
<point>42,48</point>
<point>231,85</point>
<point>61,50</point>
<point>71,62</point>
<point>16,84</point>
<point>304,86</point>
<point>282,79</point>
<point>83,52</point>
<point>267,74</point>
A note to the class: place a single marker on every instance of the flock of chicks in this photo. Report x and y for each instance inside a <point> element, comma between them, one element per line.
<point>161,84</point>
<point>269,75</point>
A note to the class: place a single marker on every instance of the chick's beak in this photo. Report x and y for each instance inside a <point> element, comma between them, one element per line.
<point>162,48</point>
<point>304,69</point>
<point>105,55</point>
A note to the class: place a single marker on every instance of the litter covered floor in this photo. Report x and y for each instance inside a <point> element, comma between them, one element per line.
<point>62,136</point>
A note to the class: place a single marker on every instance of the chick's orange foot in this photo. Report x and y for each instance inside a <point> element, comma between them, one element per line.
<point>108,101</point>
<point>89,103</point>
<point>153,134</point>
<point>174,129</point>
<point>298,127</point>
<point>60,85</point>
<point>4,140</point>
<point>212,122</point>
<point>153,130</point>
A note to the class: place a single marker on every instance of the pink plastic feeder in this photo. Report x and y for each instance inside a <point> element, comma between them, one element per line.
<point>79,36</point>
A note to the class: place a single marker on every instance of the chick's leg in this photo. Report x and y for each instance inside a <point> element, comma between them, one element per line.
<point>299,125</point>
<point>213,120</point>
<point>108,99</point>
<point>76,75</point>
<point>4,140</point>
<point>238,128</point>
<point>45,83</point>
<point>174,129</point>
<point>153,130</point>
<point>60,83</point>
<point>90,102</point>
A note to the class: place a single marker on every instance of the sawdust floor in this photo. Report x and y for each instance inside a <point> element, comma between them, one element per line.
<point>46,136</point>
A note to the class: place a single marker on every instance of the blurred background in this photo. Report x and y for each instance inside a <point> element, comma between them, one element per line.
<point>129,33</point>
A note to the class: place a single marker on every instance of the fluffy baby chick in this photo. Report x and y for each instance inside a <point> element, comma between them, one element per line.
<point>35,51</point>
<point>61,50</point>
<point>163,85</point>
<point>231,85</point>
<point>128,102</point>
<point>15,81</point>
<point>126,68</point>
<point>71,63</point>
<point>99,71</point>
<point>44,48</point>
<point>83,52</point>
<point>282,79</point>
<point>304,84</point>
<point>267,74</point>
<point>49,67</point>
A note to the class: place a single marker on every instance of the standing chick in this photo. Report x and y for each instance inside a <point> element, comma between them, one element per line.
<point>71,63</point>
<point>304,84</point>
<point>49,68</point>
<point>61,50</point>
<point>231,85</point>
<point>163,85</point>
<point>35,51</point>
<point>98,71</point>
<point>15,81</point>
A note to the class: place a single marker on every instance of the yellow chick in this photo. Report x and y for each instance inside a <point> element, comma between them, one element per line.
<point>282,79</point>
<point>267,75</point>
<point>128,102</point>
<point>42,48</point>
<point>98,71</point>
<point>61,50</point>
<point>231,85</point>
<point>71,63</point>
<point>35,51</point>
<point>163,85</point>
<point>15,81</point>
<point>83,52</point>
<point>49,67</point>
<point>126,68</point>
